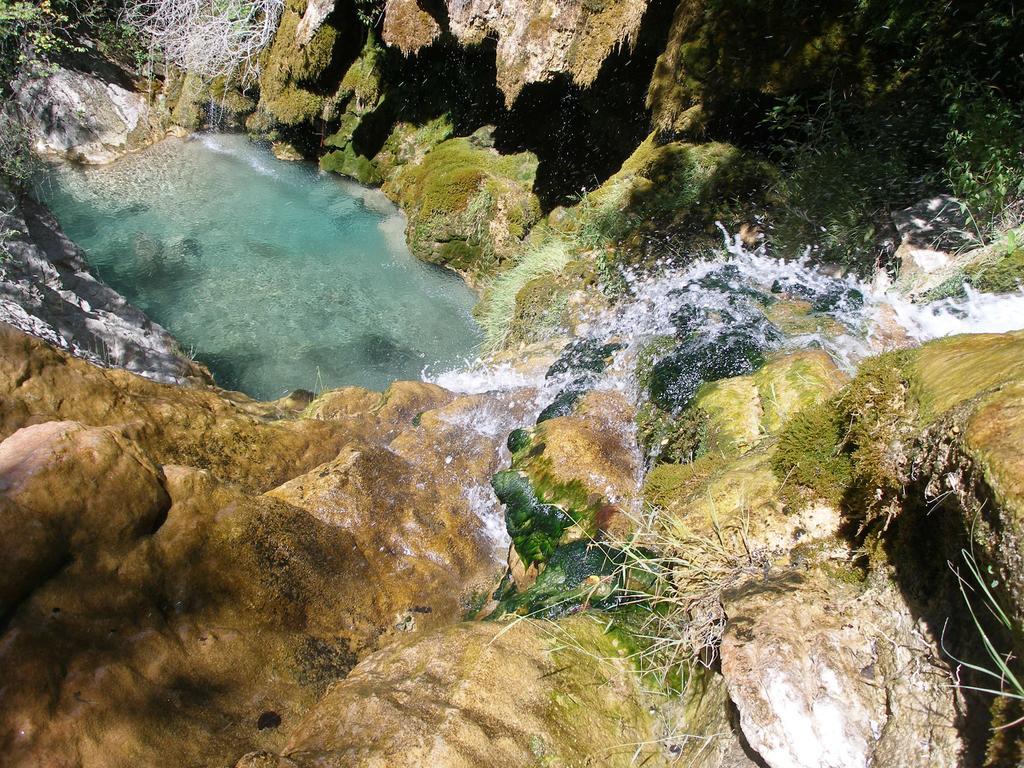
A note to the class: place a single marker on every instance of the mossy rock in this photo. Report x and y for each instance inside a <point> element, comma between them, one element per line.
<point>581,361</point>
<point>542,309</point>
<point>994,268</point>
<point>802,47</point>
<point>950,371</point>
<point>348,163</point>
<point>461,191</point>
<point>362,86</point>
<point>685,187</point>
<point>1002,274</point>
<point>408,144</point>
<point>193,98</point>
<point>732,415</point>
<point>857,448</point>
<point>568,477</point>
<point>810,460</point>
<point>667,438</point>
<point>290,89</point>
<point>796,317</point>
<point>541,694</point>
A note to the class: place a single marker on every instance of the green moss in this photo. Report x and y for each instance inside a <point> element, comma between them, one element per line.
<point>459,254</point>
<point>347,163</point>
<point>666,482</point>
<point>1003,275</point>
<point>539,508</point>
<point>844,572</point>
<point>809,460</point>
<point>408,144</point>
<point>362,82</point>
<point>535,527</point>
<point>665,438</point>
<point>852,450</point>
<point>458,190</point>
<point>290,91</point>
<point>881,416</point>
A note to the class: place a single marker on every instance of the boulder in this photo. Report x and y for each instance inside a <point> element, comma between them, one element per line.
<point>485,694</point>
<point>827,673</point>
<point>46,518</point>
<point>468,206</point>
<point>161,608</point>
<point>48,290</point>
<point>77,116</point>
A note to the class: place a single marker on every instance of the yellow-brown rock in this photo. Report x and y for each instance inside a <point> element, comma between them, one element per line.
<point>484,694</point>
<point>408,27</point>
<point>160,609</point>
<point>235,438</point>
<point>67,491</point>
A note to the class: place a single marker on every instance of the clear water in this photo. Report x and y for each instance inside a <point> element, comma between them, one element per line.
<point>276,276</point>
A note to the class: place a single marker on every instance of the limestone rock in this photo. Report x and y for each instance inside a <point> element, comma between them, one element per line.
<point>47,289</point>
<point>77,116</point>
<point>485,694</point>
<point>48,517</point>
<point>161,609</point>
<point>237,439</point>
<point>544,38</point>
<point>827,674</point>
<point>316,12</point>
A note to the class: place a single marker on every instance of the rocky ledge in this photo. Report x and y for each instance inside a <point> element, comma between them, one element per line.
<point>48,290</point>
<point>318,581</point>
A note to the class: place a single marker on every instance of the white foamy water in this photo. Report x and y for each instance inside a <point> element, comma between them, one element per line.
<point>975,313</point>
<point>736,291</point>
<point>717,300</point>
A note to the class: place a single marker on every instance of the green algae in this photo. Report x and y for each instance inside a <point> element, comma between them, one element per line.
<point>578,575</point>
<point>535,526</point>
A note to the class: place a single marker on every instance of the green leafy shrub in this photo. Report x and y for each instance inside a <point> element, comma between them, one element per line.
<point>985,150</point>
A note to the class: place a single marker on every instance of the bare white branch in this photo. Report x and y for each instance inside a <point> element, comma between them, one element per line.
<point>208,37</point>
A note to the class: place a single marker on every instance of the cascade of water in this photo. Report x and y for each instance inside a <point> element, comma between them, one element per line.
<point>733,298</point>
